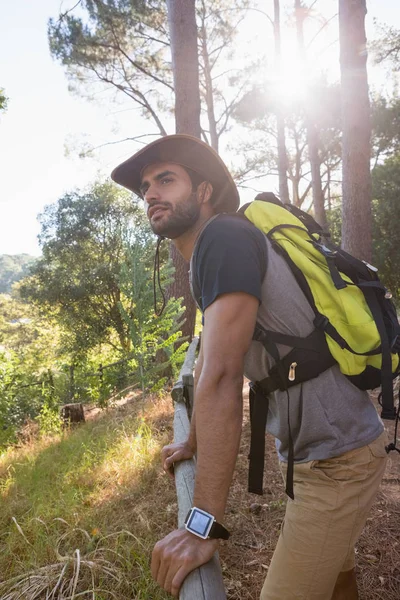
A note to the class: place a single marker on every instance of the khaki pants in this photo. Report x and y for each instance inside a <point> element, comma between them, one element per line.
<point>323,522</point>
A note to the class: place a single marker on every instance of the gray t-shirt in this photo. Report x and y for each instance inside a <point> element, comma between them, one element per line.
<point>328,414</point>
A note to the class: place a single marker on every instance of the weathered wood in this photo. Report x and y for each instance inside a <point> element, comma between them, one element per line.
<point>188,389</point>
<point>186,376</point>
<point>188,365</point>
<point>72,413</point>
<point>205,583</point>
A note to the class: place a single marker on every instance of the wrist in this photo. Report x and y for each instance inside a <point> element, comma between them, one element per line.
<point>203,525</point>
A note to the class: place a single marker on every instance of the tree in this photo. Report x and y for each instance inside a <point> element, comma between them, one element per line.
<point>28,350</point>
<point>386,212</point>
<point>311,128</point>
<point>185,63</point>
<point>257,112</point>
<point>125,45</point>
<point>356,140</point>
<point>121,45</point>
<point>221,89</point>
<point>385,115</point>
<point>13,268</point>
<point>3,100</point>
<point>388,46</point>
<point>280,122</point>
<point>82,239</point>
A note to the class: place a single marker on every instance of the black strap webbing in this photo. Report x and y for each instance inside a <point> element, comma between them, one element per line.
<point>258,420</point>
<point>388,409</point>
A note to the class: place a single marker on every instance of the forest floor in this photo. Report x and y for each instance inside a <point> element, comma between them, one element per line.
<point>255,522</point>
<point>94,500</point>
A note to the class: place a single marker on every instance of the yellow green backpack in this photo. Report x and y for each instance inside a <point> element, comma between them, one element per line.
<point>356,324</point>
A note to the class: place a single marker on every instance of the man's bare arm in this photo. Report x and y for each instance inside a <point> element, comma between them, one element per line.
<point>227,334</point>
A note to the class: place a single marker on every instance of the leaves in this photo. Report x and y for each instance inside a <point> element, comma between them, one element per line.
<point>82,238</point>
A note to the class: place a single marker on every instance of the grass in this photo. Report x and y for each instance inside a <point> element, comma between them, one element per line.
<point>80,512</point>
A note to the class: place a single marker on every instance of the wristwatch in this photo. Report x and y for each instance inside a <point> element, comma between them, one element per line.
<point>201,523</point>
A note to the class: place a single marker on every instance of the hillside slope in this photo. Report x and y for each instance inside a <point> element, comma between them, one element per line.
<point>86,508</point>
<point>12,269</point>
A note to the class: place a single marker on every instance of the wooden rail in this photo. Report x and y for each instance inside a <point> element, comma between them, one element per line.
<point>205,583</point>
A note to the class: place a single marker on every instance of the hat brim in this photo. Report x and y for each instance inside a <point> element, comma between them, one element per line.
<point>189,152</point>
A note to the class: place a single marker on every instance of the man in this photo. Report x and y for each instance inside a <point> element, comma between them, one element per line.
<point>339,441</point>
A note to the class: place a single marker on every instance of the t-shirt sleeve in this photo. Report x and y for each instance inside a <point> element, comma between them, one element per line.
<point>231,257</point>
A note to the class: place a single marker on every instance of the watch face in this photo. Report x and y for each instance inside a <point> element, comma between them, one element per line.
<point>200,523</point>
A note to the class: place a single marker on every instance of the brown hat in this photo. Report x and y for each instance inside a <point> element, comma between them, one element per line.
<point>189,152</point>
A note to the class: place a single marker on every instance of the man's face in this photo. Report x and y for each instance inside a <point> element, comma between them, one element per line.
<point>170,204</point>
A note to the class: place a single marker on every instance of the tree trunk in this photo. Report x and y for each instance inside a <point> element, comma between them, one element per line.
<point>356,144</point>
<point>311,129</point>
<point>280,121</point>
<point>208,85</point>
<point>72,413</point>
<point>185,65</point>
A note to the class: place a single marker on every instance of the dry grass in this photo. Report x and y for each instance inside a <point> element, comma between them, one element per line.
<point>77,515</point>
<point>80,514</point>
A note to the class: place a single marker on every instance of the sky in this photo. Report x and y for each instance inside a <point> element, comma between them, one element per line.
<point>44,119</point>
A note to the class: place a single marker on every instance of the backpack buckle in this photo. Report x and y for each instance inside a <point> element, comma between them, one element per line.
<point>327,252</point>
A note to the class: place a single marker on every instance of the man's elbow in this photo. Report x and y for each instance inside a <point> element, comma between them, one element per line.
<point>221,374</point>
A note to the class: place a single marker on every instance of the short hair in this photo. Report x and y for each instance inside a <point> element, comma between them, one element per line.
<point>196,180</point>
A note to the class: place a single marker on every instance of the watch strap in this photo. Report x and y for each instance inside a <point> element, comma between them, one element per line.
<point>218,531</point>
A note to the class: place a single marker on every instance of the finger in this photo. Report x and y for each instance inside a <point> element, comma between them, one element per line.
<point>155,561</point>
<point>169,576</point>
<point>178,579</point>
<point>166,451</point>
<point>165,564</point>
<point>169,464</point>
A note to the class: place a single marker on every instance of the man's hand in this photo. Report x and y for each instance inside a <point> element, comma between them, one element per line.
<point>174,453</point>
<point>176,555</point>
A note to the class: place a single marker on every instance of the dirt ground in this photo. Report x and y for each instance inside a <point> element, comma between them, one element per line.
<point>255,523</point>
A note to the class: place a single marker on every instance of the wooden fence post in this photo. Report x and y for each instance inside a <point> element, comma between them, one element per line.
<point>205,583</point>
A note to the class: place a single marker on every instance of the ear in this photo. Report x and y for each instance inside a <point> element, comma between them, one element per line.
<point>204,192</point>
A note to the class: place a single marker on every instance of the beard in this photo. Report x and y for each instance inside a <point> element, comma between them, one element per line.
<point>178,219</point>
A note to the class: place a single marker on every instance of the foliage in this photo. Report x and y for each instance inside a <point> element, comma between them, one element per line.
<point>3,100</point>
<point>49,419</point>
<point>386,211</point>
<point>257,111</point>
<point>334,220</point>
<point>23,330</point>
<point>20,396</point>
<point>122,45</point>
<point>387,47</point>
<point>76,510</point>
<point>151,336</point>
<point>222,90</point>
<point>90,332</point>
<point>29,348</point>
<point>385,127</point>
<point>13,268</point>
<point>77,276</point>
